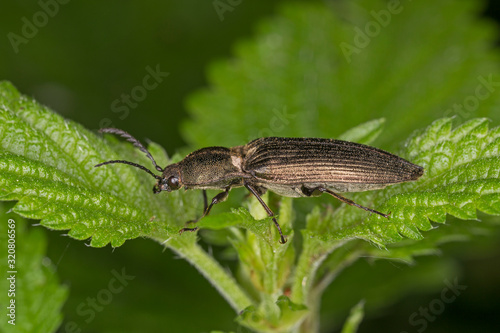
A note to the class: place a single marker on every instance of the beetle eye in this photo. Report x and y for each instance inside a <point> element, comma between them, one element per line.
<point>173,183</point>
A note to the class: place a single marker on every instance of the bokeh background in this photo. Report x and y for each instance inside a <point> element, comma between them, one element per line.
<point>85,58</point>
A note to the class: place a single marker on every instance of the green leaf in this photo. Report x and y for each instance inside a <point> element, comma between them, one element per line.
<point>47,165</point>
<point>237,217</point>
<point>462,167</point>
<point>455,231</point>
<point>36,290</point>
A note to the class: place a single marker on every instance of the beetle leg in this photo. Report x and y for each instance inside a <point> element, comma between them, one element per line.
<point>268,210</point>
<point>205,204</point>
<point>217,199</point>
<point>309,192</point>
<point>260,190</point>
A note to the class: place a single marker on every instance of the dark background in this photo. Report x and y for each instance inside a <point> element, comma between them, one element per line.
<point>92,52</point>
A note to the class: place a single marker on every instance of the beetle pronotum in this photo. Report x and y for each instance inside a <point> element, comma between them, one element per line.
<point>291,167</point>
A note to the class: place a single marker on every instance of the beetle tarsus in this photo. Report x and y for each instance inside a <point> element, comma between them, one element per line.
<point>188,229</point>
<point>283,240</point>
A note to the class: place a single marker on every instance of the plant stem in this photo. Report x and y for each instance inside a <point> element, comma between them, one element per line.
<point>212,271</point>
<point>306,289</point>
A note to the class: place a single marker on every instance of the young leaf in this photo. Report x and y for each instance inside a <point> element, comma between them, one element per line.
<point>270,315</point>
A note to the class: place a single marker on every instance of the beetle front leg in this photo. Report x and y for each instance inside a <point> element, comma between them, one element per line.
<point>310,191</point>
<point>217,199</point>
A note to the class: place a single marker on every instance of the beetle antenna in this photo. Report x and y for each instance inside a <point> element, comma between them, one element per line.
<point>132,140</point>
<point>129,163</point>
<point>136,144</point>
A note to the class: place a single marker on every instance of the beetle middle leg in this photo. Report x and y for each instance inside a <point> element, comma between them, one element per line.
<point>217,199</point>
<point>255,192</point>
<point>310,191</point>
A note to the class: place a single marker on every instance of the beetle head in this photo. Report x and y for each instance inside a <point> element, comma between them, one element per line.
<point>169,181</point>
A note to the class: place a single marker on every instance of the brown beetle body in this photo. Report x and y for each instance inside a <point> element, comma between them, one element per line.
<point>292,167</point>
<point>285,165</point>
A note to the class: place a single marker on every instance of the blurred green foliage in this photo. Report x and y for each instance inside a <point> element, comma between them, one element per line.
<point>33,283</point>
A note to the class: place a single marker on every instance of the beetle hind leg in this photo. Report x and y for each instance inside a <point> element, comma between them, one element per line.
<point>255,191</point>
<point>312,191</point>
